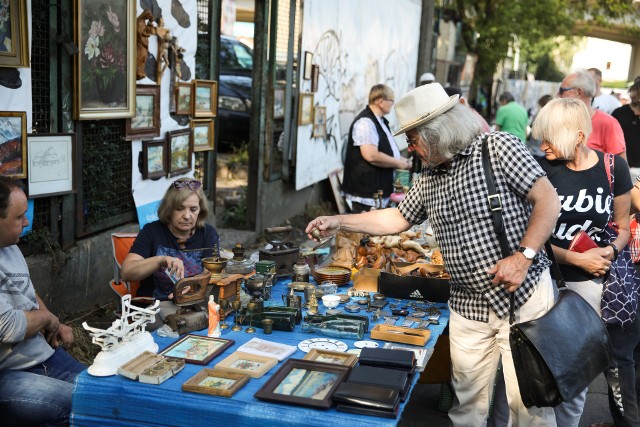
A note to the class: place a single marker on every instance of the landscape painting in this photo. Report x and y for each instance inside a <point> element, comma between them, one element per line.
<point>13,144</point>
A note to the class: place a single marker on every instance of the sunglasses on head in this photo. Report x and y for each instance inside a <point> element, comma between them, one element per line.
<point>192,185</point>
<point>562,90</point>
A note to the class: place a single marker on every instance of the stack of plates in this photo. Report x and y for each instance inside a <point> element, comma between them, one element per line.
<point>338,275</point>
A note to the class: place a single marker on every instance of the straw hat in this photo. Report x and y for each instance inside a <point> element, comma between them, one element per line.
<point>421,105</point>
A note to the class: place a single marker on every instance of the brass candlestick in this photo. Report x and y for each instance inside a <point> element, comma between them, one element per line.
<point>251,307</point>
<point>224,304</point>
<point>236,308</point>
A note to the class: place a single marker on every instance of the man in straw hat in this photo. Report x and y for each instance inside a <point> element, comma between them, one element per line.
<point>452,194</point>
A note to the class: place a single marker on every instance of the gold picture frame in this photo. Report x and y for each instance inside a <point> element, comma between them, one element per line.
<point>328,356</point>
<point>104,68</point>
<point>204,98</point>
<point>198,349</point>
<point>216,382</point>
<point>203,132</point>
<point>305,110</point>
<point>247,364</point>
<point>16,40</point>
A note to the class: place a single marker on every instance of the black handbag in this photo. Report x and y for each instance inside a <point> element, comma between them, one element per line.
<point>558,355</point>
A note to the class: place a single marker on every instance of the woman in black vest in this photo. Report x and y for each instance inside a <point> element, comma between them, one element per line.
<point>372,153</point>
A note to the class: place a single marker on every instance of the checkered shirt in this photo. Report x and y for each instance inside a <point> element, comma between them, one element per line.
<point>454,200</point>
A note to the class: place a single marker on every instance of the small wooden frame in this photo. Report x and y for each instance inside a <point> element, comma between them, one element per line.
<point>184,99</point>
<point>202,134</point>
<point>13,144</point>
<point>305,111</point>
<point>319,122</point>
<point>304,382</point>
<point>216,382</point>
<point>328,356</point>
<point>315,77</point>
<point>247,364</point>
<point>146,122</point>
<point>154,159</point>
<point>308,58</point>
<point>205,98</point>
<point>179,149</point>
<point>197,349</point>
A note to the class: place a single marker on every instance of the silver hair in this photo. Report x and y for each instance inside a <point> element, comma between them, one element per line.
<point>582,79</point>
<point>448,134</point>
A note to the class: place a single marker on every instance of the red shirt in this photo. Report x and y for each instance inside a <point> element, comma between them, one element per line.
<point>606,135</point>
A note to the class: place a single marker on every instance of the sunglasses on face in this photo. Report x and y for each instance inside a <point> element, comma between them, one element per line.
<point>562,90</point>
<point>192,185</point>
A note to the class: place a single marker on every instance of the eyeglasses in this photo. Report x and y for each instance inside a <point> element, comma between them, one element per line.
<point>562,90</point>
<point>192,185</point>
<point>411,143</point>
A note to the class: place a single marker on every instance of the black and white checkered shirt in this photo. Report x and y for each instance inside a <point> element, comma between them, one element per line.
<point>454,200</point>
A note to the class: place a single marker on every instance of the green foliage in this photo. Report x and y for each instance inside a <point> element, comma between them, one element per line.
<point>236,216</point>
<point>240,155</point>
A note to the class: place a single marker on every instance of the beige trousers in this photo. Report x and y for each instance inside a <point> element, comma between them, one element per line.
<point>476,348</point>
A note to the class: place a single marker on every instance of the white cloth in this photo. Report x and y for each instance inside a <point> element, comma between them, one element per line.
<point>476,348</point>
<point>605,102</point>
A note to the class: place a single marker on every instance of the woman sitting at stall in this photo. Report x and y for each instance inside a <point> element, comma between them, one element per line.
<point>174,245</point>
<point>579,175</point>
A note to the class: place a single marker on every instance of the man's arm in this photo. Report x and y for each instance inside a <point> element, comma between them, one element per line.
<point>511,271</point>
<point>379,222</point>
<point>56,333</point>
<point>377,158</point>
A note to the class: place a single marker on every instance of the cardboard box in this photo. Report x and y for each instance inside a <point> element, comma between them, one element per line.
<point>367,279</point>
<point>414,287</point>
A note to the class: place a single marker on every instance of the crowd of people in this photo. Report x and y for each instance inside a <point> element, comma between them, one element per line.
<point>578,170</point>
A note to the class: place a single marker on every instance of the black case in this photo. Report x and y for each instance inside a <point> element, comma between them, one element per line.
<point>395,379</point>
<point>388,358</point>
<point>367,396</point>
<point>361,410</point>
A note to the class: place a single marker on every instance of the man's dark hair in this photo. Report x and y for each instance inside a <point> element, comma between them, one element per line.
<point>506,97</point>
<point>7,185</point>
<point>452,90</point>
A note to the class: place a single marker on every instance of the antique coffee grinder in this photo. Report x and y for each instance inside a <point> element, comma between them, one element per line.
<point>190,297</point>
<point>282,252</point>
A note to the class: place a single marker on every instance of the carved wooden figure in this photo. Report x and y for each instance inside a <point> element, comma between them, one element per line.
<point>144,29</point>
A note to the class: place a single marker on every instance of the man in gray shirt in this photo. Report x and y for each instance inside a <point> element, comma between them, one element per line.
<point>36,373</point>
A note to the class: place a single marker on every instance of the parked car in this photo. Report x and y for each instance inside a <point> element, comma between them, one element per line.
<point>234,93</point>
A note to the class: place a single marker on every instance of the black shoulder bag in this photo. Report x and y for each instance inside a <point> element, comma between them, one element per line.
<point>558,355</point>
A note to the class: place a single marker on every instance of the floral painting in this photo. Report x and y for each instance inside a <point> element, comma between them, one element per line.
<point>6,44</point>
<point>14,37</point>
<point>105,74</point>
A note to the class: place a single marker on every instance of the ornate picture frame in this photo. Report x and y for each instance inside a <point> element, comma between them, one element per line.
<point>179,150</point>
<point>247,364</point>
<point>303,382</point>
<point>184,99</point>
<point>104,68</point>
<point>328,356</point>
<point>14,34</point>
<point>13,144</point>
<point>51,164</point>
<point>197,349</point>
<point>305,111</point>
<point>319,122</point>
<point>216,382</point>
<point>146,121</point>
<point>203,134</point>
<point>205,98</point>
<point>154,159</point>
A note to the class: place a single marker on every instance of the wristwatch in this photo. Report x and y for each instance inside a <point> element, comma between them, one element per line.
<point>528,253</point>
<point>615,251</point>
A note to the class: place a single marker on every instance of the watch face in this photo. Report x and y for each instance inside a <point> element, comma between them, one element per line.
<point>322,344</point>
<point>528,253</point>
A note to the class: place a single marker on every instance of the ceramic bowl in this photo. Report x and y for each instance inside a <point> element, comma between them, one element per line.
<point>330,301</point>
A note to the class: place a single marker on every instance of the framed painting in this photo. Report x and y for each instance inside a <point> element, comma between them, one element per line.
<point>154,159</point>
<point>248,364</point>
<point>197,349</point>
<point>51,167</point>
<point>308,58</point>
<point>146,122</point>
<point>104,68</point>
<point>13,144</point>
<point>14,35</point>
<point>319,122</point>
<point>328,356</point>
<point>183,99</point>
<point>205,98</point>
<point>303,382</point>
<point>202,134</point>
<point>305,112</point>
<point>315,76</point>
<point>278,103</point>
<point>216,382</point>
<point>179,150</point>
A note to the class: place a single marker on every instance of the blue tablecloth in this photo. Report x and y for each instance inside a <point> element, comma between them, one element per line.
<point>118,401</point>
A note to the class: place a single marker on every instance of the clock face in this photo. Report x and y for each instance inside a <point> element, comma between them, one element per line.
<point>322,344</point>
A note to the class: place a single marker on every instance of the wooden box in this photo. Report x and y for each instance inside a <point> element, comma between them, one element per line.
<point>401,334</point>
<point>367,279</point>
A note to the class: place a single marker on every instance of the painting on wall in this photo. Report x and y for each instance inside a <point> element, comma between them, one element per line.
<point>205,98</point>
<point>179,151</point>
<point>305,112</point>
<point>146,122</point>
<point>13,144</point>
<point>319,122</point>
<point>183,99</point>
<point>51,167</point>
<point>104,69</point>
<point>14,36</point>
<point>202,134</point>
<point>154,159</point>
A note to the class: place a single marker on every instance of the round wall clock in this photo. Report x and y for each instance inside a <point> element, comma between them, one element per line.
<point>322,344</point>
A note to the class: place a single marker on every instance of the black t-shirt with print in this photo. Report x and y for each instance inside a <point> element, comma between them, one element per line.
<point>584,197</point>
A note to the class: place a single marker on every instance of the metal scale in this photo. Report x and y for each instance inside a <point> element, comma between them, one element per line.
<point>283,253</point>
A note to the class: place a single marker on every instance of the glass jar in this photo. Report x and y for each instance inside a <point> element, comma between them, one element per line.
<point>339,328</point>
<point>239,264</point>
